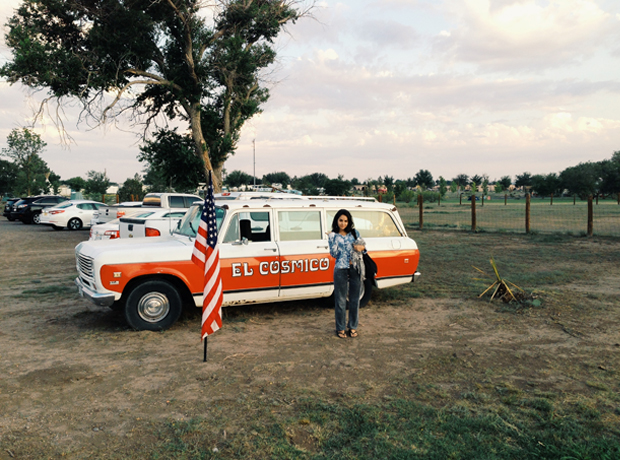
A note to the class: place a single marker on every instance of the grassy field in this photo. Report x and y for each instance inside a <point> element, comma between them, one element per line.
<point>437,372</point>
<point>563,216</point>
<point>444,406</point>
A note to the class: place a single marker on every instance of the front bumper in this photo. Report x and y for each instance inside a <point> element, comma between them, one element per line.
<point>415,276</point>
<point>102,300</point>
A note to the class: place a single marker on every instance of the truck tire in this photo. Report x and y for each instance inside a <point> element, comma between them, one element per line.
<point>153,305</point>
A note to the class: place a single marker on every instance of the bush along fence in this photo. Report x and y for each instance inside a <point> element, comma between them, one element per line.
<point>568,215</point>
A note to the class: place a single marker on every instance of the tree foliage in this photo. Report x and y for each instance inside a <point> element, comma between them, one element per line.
<point>337,187</point>
<point>583,179</point>
<point>277,178</point>
<point>132,188</point>
<point>462,180</point>
<point>171,164</point>
<point>24,147</point>
<point>197,61</point>
<point>424,179</point>
<point>546,185</point>
<point>311,184</point>
<point>238,178</point>
<point>97,184</point>
<point>505,182</point>
<point>8,177</point>
<point>77,184</point>
<point>523,180</point>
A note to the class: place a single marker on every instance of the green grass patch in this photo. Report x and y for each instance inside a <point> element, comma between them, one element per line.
<point>396,429</point>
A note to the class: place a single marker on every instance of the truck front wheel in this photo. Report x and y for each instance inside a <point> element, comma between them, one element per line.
<point>153,305</point>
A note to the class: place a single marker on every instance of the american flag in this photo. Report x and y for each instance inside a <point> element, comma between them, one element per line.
<point>207,256</point>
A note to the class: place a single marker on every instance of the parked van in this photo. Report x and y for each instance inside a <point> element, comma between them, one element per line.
<point>270,250</point>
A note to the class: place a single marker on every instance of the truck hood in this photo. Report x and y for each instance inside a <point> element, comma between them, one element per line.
<point>129,250</point>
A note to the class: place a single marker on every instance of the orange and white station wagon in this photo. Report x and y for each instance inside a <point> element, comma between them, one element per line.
<point>270,251</point>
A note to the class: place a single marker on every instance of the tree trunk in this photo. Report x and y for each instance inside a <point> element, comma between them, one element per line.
<point>201,147</point>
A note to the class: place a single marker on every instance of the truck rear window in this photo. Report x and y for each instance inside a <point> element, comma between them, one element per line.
<point>152,201</point>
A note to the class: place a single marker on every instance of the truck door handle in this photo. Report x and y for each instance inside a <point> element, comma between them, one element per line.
<point>271,249</point>
<point>322,247</point>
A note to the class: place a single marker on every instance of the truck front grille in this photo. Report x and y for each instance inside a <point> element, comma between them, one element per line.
<point>85,266</point>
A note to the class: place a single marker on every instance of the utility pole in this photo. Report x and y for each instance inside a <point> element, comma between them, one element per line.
<point>254,154</point>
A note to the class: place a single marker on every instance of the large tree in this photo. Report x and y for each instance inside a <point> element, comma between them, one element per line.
<point>189,59</point>
<point>424,179</point>
<point>24,147</point>
<point>583,179</point>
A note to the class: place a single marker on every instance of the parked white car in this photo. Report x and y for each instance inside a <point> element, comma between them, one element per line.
<point>73,214</point>
<point>107,231</point>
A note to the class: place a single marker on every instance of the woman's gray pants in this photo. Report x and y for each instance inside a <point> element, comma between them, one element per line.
<point>346,279</point>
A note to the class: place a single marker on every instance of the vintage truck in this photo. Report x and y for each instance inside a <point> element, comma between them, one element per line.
<point>270,250</point>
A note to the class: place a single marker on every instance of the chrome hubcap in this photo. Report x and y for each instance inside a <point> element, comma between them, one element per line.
<point>153,307</point>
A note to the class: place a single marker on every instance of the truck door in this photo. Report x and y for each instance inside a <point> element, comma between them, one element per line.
<point>305,266</point>
<point>249,258</point>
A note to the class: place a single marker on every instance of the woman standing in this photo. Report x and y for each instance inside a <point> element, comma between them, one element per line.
<point>346,246</point>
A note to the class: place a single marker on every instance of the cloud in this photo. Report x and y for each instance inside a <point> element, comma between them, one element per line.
<point>520,35</point>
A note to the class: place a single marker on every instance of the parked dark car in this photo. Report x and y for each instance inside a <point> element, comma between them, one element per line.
<point>469,198</point>
<point>28,210</point>
<point>8,207</point>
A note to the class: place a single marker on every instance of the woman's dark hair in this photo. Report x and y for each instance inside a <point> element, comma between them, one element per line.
<point>347,214</point>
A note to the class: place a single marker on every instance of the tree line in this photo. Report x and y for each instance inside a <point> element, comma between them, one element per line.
<point>600,178</point>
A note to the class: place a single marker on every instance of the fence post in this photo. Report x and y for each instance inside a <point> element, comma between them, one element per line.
<point>590,216</point>
<point>505,199</point>
<point>618,198</point>
<point>473,212</point>
<point>461,199</point>
<point>439,200</point>
<point>421,206</point>
<point>597,199</point>
<point>380,198</point>
<point>394,199</point>
<point>575,199</point>
<point>527,213</point>
<point>118,198</point>
<point>551,203</point>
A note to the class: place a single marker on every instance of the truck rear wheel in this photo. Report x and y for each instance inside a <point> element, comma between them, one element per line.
<point>153,305</point>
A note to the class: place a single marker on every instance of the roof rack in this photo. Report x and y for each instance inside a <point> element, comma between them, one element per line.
<point>351,198</point>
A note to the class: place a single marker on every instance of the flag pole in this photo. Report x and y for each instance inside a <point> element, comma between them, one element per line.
<point>205,351</point>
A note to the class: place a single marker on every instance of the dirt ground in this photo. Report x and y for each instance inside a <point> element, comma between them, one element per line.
<point>76,382</point>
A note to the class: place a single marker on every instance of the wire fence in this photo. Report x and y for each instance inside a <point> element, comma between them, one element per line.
<point>500,214</point>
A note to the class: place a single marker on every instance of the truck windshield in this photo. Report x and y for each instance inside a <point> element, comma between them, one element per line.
<point>188,225</point>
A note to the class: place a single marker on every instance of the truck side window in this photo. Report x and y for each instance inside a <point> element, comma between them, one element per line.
<point>177,202</point>
<point>232,234</point>
<point>371,224</point>
<point>251,225</point>
<point>299,225</point>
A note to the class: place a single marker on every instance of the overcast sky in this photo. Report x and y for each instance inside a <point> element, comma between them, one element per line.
<point>369,88</point>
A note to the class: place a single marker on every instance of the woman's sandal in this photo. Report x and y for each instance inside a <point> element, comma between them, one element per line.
<point>352,333</point>
<point>341,334</point>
